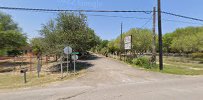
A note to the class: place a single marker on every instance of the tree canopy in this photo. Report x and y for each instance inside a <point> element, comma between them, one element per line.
<point>141,41</point>
<point>68,29</point>
<point>11,35</point>
<point>184,40</point>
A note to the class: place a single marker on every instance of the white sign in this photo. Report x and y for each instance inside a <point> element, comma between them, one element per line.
<point>128,39</point>
<point>67,50</point>
<point>128,42</point>
<point>74,57</point>
<point>128,46</point>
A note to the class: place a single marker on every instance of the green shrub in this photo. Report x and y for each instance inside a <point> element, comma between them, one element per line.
<point>3,52</point>
<point>104,51</point>
<point>14,53</point>
<point>129,60</point>
<point>142,62</point>
<point>197,55</point>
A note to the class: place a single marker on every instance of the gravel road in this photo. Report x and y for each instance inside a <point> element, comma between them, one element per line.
<point>108,79</point>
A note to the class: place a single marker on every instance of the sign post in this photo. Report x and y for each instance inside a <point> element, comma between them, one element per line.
<point>61,67</point>
<point>67,50</point>
<point>24,72</point>
<point>74,57</point>
<point>39,64</point>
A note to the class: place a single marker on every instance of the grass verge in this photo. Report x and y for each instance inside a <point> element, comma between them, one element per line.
<point>175,65</point>
<point>14,81</point>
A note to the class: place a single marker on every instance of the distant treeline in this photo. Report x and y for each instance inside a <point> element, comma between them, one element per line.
<point>183,40</point>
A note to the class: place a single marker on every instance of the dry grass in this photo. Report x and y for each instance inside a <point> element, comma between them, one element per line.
<point>14,79</point>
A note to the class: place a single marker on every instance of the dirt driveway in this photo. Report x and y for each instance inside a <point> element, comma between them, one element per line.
<point>108,79</point>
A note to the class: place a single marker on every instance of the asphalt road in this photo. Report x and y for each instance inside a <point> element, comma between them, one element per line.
<point>108,79</point>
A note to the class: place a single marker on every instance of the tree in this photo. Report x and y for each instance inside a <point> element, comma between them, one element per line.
<point>11,35</point>
<point>200,41</point>
<point>141,40</point>
<point>37,45</point>
<point>113,46</point>
<point>167,41</point>
<point>187,40</point>
<point>68,29</point>
<point>12,39</point>
<point>6,23</point>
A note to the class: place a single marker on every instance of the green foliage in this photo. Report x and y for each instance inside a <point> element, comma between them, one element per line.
<point>12,39</point>
<point>142,62</point>
<point>141,41</point>
<point>197,55</point>
<point>129,60</point>
<point>38,45</point>
<point>104,51</point>
<point>113,46</point>
<point>6,23</point>
<point>102,47</point>
<point>3,52</point>
<point>167,41</point>
<point>14,53</point>
<point>184,40</point>
<point>11,36</point>
<point>104,43</point>
<point>68,29</point>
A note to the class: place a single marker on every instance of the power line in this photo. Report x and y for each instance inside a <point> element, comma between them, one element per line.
<point>186,17</point>
<point>178,21</point>
<point>146,23</point>
<point>63,10</point>
<point>115,11</point>
<point>130,17</point>
<point>149,19</point>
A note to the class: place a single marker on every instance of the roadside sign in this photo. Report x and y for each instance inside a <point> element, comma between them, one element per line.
<point>128,39</point>
<point>74,57</point>
<point>75,53</point>
<point>128,42</point>
<point>128,46</point>
<point>67,50</point>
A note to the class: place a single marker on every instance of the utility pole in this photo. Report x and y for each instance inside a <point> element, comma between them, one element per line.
<point>160,36</point>
<point>121,41</point>
<point>154,37</point>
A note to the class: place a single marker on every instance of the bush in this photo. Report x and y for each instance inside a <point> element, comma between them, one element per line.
<point>104,51</point>
<point>142,62</point>
<point>3,52</point>
<point>129,60</point>
<point>14,53</point>
<point>197,55</point>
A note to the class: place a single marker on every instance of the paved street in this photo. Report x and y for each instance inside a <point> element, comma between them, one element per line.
<point>108,79</point>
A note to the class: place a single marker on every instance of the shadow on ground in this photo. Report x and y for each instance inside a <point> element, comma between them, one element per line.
<point>12,64</point>
<point>80,65</point>
<point>8,66</point>
<point>89,57</point>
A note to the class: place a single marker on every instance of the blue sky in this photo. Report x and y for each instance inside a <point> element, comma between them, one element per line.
<point>105,27</point>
